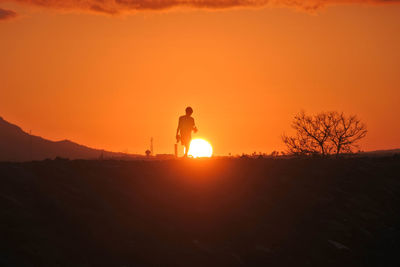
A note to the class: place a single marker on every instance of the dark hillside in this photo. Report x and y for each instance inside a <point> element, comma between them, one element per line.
<point>17,145</point>
<point>217,212</point>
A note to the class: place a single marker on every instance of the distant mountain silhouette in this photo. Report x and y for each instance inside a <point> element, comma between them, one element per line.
<point>17,145</point>
<point>387,152</point>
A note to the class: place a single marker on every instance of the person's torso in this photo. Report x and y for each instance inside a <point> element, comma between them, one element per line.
<point>186,124</point>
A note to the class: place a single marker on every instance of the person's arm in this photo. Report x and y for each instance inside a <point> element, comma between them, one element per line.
<point>194,127</point>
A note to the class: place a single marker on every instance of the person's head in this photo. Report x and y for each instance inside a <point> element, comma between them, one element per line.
<point>189,111</point>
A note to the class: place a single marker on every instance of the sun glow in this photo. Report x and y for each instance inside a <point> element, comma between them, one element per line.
<point>200,148</point>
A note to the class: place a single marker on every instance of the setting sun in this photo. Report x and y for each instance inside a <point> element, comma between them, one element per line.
<point>200,148</point>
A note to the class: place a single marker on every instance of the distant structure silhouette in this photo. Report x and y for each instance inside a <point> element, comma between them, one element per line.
<point>148,153</point>
<point>185,127</point>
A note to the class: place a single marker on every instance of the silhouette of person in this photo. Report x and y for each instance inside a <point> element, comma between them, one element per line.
<point>185,127</point>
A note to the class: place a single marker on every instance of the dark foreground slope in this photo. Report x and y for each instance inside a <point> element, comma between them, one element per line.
<point>226,212</point>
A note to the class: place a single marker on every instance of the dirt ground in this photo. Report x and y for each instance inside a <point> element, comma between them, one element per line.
<point>212,212</point>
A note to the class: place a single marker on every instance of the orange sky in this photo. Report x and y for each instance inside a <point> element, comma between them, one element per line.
<point>113,82</point>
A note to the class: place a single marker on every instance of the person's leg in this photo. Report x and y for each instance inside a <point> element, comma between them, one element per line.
<point>188,141</point>
<point>185,142</point>
<point>186,150</point>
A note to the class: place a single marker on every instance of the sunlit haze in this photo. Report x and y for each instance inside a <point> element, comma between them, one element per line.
<point>115,81</point>
<point>200,148</point>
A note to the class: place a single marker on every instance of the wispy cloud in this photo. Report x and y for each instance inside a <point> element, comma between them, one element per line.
<point>7,14</point>
<point>126,6</point>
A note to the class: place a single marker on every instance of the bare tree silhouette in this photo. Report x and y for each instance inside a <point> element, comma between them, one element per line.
<point>324,134</point>
<point>346,132</point>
